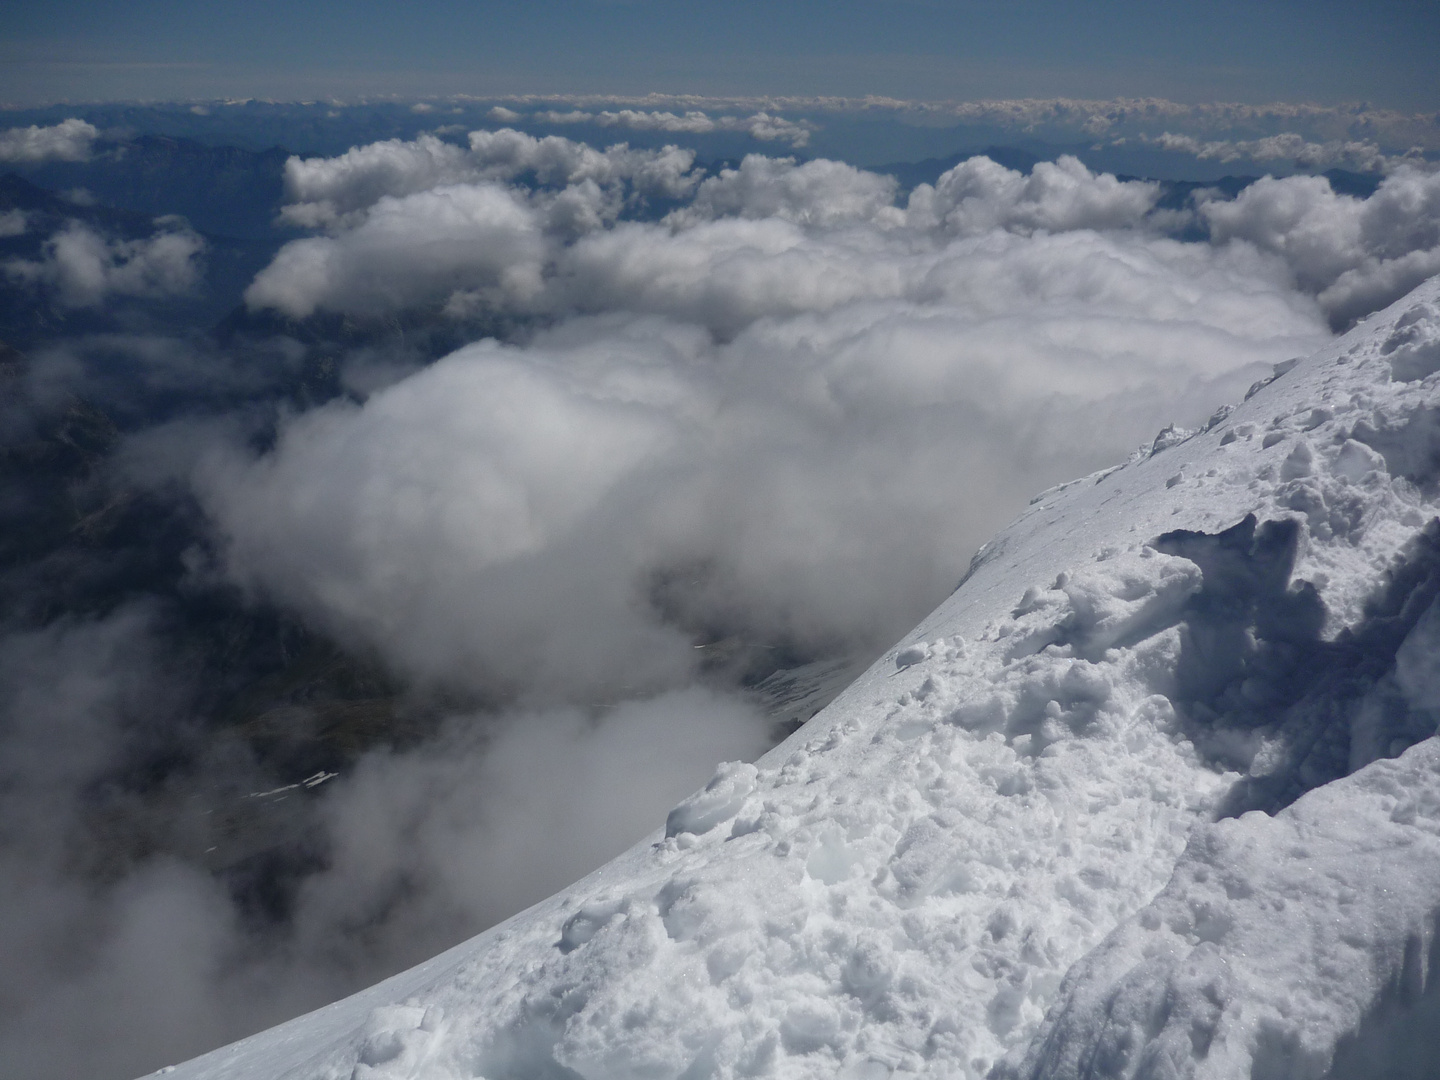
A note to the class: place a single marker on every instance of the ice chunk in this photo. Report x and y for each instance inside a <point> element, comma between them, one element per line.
<point>911,655</point>
<point>720,800</point>
<point>1355,461</point>
<point>1299,462</point>
<point>1126,599</point>
<point>1414,345</point>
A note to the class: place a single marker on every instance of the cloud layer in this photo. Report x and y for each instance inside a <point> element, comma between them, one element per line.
<point>761,125</point>
<point>1048,117</point>
<point>788,411</point>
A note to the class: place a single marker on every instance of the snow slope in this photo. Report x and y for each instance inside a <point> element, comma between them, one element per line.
<point>1153,794</point>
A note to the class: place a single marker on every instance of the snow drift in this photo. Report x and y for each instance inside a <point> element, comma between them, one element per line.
<point>1153,794</point>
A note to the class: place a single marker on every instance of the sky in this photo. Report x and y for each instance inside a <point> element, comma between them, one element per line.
<point>1328,51</point>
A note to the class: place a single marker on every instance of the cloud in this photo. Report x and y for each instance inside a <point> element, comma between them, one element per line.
<point>78,702</point>
<point>819,192</point>
<point>68,140</point>
<point>809,402</point>
<point>761,125</point>
<point>408,249</point>
<point>790,414</point>
<point>573,258</point>
<point>334,192</point>
<point>13,223</point>
<point>1060,196</point>
<point>789,354</point>
<point>488,819</point>
<point>1364,155</point>
<point>517,458</point>
<point>124,954</point>
<point>1063,117</point>
<point>584,192</point>
<point>82,267</point>
<point>1356,255</point>
<point>323,191</point>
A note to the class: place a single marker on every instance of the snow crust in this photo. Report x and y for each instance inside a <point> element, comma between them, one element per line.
<point>1153,794</point>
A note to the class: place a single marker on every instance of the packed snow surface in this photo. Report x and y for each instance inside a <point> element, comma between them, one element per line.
<point>1153,794</point>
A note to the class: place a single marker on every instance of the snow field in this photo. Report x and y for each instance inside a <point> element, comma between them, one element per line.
<point>1272,936</point>
<point>999,849</point>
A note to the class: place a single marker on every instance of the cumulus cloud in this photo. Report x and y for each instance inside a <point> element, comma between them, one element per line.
<point>762,125</point>
<point>810,401</point>
<point>334,192</point>
<point>979,195</point>
<point>428,221</point>
<point>409,249</point>
<point>789,411</point>
<point>1356,255</point>
<point>819,192</point>
<point>574,258</point>
<point>82,267</point>
<point>69,140</point>
<point>802,401</point>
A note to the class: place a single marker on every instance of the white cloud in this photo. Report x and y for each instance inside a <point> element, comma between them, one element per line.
<point>502,469</point>
<point>819,192</point>
<point>323,191</point>
<point>780,258</point>
<point>507,154</point>
<point>68,140</point>
<point>788,410</point>
<point>13,223</point>
<point>978,195</point>
<point>478,238</point>
<point>1357,255</point>
<point>792,411</point>
<point>1363,154</point>
<point>83,267</point>
<point>1057,118</point>
<point>334,192</point>
<point>762,125</point>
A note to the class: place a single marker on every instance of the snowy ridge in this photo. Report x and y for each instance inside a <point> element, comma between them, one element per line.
<point>1035,839</point>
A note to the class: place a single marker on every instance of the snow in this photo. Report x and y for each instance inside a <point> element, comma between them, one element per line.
<point>1153,794</point>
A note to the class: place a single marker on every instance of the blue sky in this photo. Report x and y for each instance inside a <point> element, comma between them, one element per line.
<point>1383,52</point>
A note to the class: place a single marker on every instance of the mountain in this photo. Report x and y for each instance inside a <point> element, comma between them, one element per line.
<point>35,312</point>
<point>1153,793</point>
<point>224,190</point>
